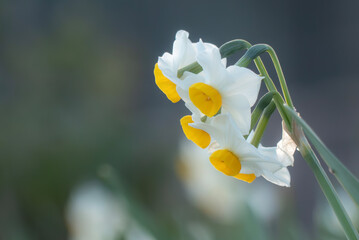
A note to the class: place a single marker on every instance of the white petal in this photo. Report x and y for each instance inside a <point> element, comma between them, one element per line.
<point>270,154</point>
<point>219,127</point>
<point>183,94</point>
<point>210,60</point>
<point>233,135</point>
<point>243,81</point>
<point>254,162</point>
<point>280,177</point>
<point>196,114</point>
<point>259,164</point>
<point>202,46</point>
<point>276,173</point>
<point>213,146</point>
<point>182,34</point>
<point>190,80</point>
<point>165,64</point>
<point>260,158</point>
<point>212,130</point>
<point>183,50</point>
<point>238,106</point>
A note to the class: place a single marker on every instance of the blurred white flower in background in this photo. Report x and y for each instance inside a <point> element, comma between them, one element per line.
<point>94,213</point>
<point>220,197</point>
<point>199,231</point>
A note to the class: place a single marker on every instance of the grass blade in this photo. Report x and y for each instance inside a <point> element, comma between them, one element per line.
<point>349,182</point>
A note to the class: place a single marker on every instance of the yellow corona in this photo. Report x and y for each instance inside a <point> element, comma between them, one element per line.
<point>206,98</point>
<point>198,136</point>
<point>228,163</point>
<point>166,86</point>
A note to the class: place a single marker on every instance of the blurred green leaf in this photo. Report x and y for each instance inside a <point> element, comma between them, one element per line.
<point>343,175</point>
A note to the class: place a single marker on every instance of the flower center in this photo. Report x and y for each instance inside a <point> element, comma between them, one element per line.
<point>166,86</point>
<point>226,162</point>
<point>206,98</point>
<point>198,136</point>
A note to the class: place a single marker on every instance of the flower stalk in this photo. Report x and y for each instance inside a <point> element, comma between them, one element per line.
<point>262,124</point>
<point>258,110</point>
<point>257,50</point>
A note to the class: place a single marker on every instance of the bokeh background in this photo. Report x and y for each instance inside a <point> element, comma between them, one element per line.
<point>91,149</point>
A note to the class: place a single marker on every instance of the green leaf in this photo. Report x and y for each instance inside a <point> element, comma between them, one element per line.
<point>327,188</point>
<point>349,182</point>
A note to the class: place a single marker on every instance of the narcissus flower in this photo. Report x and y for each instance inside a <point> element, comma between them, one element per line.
<point>233,89</point>
<point>184,53</point>
<point>233,155</point>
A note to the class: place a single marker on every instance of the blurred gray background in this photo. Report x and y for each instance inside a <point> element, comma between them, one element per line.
<point>77,91</point>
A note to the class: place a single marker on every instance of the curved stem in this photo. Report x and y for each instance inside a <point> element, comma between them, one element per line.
<point>261,105</point>
<point>280,74</point>
<point>262,124</point>
<point>277,98</point>
<point>254,53</point>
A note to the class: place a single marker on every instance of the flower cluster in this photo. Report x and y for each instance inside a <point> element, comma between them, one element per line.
<point>220,100</point>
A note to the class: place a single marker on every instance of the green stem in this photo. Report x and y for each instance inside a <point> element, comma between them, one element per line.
<point>233,46</point>
<point>263,71</point>
<point>280,74</point>
<point>277,98</point>
<point>257,50</point>
<point>261,105</point>
<point>262,124</point>
<point>328,189</point>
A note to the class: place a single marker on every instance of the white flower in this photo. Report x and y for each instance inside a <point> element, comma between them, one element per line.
<point>235,156</point>
<point>94,213</point>
<point>233,89</point>
<point>184,53</point>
